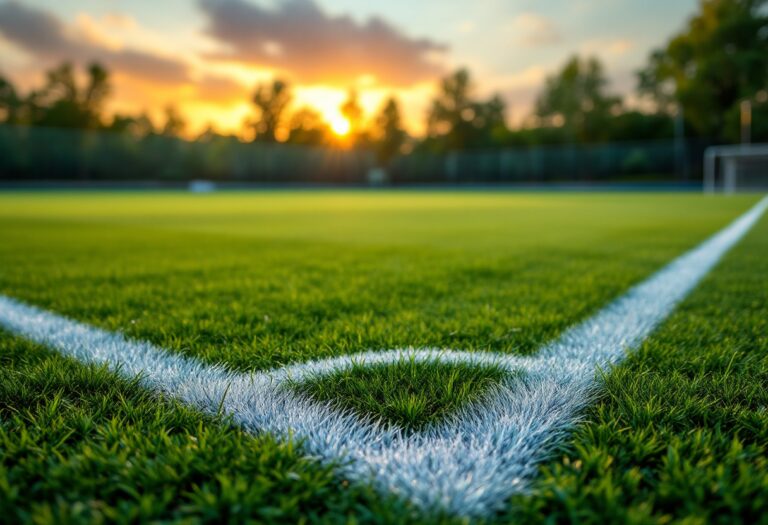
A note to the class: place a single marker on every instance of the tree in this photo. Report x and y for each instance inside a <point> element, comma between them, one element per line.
<point>10,102</point>
<point>718,60</point>
<point>271,102</point>
<point>62,103</point>
<point>139,126</point>
<point>307,127</point>
<point>759,128</point>
<point>353,112</point>
<point>388,134</point>
<point>458,121</point>
<point>575,99</point>
<point>174,122</point>
<point>98,88</point>
<point>635,125</point>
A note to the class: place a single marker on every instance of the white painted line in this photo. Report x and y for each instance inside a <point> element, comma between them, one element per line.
<point>469,465</point>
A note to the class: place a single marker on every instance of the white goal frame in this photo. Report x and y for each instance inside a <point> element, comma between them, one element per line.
<point>729,156</point>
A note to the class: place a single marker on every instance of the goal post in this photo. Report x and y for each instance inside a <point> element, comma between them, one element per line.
<point>742,167</point>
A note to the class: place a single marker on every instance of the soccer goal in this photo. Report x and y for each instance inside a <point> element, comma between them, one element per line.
<point>742,167</point>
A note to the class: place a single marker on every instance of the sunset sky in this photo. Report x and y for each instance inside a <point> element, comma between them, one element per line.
<point>205,56</point>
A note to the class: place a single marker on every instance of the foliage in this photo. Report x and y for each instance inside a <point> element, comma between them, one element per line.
<point>457,120</point>
<point>136,126</point>
<point>353,113</point>
<point>61,102</point>
<point>174,122</point>
<point>759,127</point>
<point>635,126</point>
<point>10,102</point>
<point>388,134</point>
<point>575,99</point>
<point>307,127</point>
<point>718,60</point>
<point>271,102</point>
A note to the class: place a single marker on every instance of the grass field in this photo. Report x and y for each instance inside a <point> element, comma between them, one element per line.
<point>259,280</point>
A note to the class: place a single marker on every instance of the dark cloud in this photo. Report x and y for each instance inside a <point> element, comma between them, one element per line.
<point>45,36</point>
<point>297,37</point>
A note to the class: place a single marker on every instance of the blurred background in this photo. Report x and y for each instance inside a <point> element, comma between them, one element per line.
<point>335,92</point>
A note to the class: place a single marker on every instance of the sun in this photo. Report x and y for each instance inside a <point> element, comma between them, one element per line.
<point>340,125</point>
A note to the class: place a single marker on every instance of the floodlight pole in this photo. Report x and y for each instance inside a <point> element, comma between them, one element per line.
<point>680,153</point>
<point>746,121</point>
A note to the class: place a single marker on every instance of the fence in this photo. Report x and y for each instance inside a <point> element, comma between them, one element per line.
<point>543,164</point>
<point>28,154</point>
<point>58,154</point>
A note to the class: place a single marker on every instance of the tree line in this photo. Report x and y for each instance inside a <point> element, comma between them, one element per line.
<point>702,76</point>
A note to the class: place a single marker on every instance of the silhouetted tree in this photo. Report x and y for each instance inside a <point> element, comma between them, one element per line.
<point>353,112</point>
<point>144,125</point>
<point>575,98</point>
<point>388,134</point>
<point>98,88</point>
<point>458,121</point>
<point>307,127</point>
<point>62,103</point>
<point>138,126</point>
<point>718,60</point>
<point>10,103</point>
<point>174,122</point>
<point>635,125</point>
<point>271,102</point>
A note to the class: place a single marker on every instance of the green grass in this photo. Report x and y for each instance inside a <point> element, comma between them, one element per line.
<point>259,280</point>
<point>80,445</point>
<point>681,432</point>
<point>407,394</point>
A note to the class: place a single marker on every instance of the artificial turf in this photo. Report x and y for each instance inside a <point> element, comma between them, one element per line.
<point>263,279</point>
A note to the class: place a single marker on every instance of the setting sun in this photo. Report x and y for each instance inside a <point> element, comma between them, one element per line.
<point>340,125</point>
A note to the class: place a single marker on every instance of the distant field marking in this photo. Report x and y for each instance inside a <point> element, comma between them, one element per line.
<point>468,465</point>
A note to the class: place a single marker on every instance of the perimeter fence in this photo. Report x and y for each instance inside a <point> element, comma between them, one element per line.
<point>35,154</point>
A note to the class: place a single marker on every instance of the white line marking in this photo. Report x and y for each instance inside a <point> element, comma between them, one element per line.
<point>469,465</point>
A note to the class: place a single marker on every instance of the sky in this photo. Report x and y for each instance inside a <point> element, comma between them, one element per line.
<point>206,56</point>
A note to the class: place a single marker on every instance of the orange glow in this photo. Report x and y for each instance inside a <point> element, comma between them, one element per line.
<point>228,115</point>
<point>340,125</point>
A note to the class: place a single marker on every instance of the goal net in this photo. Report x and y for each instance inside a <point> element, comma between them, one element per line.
<point>731,169</point>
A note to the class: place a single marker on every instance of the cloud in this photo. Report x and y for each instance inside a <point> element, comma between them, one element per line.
<point>45,37</point>
<point>90,30</point>
<point>536,30</point>
<point>119,20</point>
<point>299,39</point>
